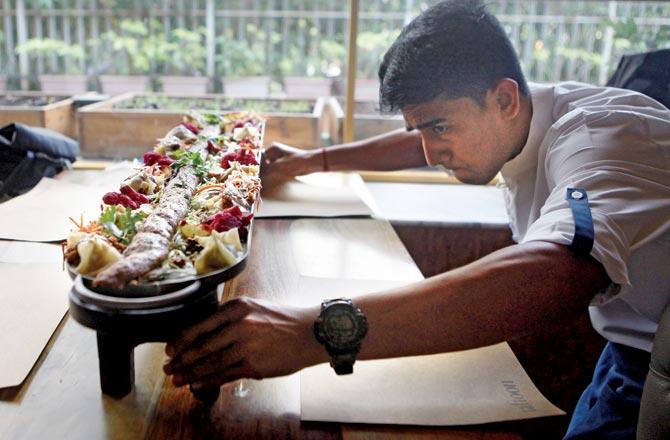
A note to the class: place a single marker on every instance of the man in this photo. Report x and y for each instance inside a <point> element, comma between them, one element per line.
<point>588,195</point>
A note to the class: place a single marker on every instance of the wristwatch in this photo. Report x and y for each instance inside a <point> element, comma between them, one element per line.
<point>341,327</point>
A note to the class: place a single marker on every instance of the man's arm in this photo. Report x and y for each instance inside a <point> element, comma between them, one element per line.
<point>395,150</point>
<point>513,291</point>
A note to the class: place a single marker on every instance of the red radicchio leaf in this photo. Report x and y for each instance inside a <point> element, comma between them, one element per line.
<point>191,127</point>
<point>227,219</point>
<point>244,157</point>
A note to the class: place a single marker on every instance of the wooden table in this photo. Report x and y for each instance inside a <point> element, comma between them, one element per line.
<point>61,397</point>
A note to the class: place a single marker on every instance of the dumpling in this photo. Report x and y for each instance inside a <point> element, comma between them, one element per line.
<point>232,237</point>
<point>215,255</point>
<point>95,254</point>
<point>247,131</point>
<point>76,237</point>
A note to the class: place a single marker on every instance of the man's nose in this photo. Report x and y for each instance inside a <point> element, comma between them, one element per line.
<point>433,154</point>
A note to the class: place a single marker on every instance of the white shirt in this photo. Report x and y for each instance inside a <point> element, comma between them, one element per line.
<point>615,144</point>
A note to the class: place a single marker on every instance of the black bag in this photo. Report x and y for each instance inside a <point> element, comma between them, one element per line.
<point>29,153</point>
<point>647,73</point>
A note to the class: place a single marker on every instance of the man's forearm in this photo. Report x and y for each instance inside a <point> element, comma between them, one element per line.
<point>513,291</point>
<point>395,150</point>
<point>508,293</point>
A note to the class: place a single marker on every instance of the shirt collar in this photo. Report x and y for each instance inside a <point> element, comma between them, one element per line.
<point>542,119</point>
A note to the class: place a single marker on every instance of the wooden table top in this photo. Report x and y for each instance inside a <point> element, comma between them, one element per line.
<point>61,398</point>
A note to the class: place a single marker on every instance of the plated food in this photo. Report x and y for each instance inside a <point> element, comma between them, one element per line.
<point>185,212</point>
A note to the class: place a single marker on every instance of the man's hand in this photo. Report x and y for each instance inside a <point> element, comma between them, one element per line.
<point>245,338</point>
<point>282,162</point>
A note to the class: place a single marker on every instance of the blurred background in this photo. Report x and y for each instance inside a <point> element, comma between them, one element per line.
<point>153,61</point>
<point>292,48</point>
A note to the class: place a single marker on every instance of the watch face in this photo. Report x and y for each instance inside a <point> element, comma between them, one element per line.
<point>340,326</point>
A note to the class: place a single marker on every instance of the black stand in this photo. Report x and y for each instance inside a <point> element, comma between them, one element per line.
<point>120,330</point>
<point>117,365</point>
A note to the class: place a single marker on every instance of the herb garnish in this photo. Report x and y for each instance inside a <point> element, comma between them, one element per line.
<point>121,222</point>
<point>212,118</point>
<point>192,159</point>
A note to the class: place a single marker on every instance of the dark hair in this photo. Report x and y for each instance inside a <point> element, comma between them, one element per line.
<point>454,49</point>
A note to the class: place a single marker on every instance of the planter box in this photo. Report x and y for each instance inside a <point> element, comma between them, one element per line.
<point>367,89</point>
<point>182,85</point>
<point>368,120</point>
<point>57,115</point>
<point>247,87</point>
<point>114,129</point>
<point>305,87</point>
<point>65,84</point>
<point>119,84</point>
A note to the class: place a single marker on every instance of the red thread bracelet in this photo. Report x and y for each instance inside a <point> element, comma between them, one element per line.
<point>324,158</point>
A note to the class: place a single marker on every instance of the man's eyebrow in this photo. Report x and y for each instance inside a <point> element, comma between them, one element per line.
<point>428,124</point>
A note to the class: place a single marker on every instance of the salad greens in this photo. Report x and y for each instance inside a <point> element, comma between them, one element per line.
<point>121,222</point>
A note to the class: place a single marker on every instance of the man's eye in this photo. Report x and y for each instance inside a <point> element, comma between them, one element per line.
<point>439,129</point>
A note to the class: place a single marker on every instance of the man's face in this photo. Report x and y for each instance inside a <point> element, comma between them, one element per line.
<point>470,140</point>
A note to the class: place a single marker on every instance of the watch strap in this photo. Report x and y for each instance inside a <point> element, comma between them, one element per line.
<point>343,362</point>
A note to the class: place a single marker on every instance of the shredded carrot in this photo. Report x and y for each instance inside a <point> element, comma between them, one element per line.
<point>206,187</point>
<point>78,225</point>
<point>92,227</point>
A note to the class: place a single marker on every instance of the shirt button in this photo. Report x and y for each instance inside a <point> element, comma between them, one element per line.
<point>577,195</point>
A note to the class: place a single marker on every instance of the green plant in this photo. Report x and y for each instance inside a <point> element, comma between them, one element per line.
<point>144,46</point>
<point>333,56</point>
<point>162,102</point>
<point>371,49</point>
<point>239,58</point>
<point>629,36</point>
<point>48,46</point>
<point>189,51</point>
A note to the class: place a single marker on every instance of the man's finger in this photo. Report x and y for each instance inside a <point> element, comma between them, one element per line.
<point>216,364</point>
<point>228,312</point>
<point>188,337</point>
<point>200,349</point>
<point>234,373</point>
<point>275,151</point>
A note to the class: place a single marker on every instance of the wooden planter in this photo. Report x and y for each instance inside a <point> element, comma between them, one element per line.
<point>66,84</point>
<point>367,90</point>
<point>106,131</point>
<point>368,121</point>
<point>192,85</point>
<point>247,87</point>
<point>305,87</point>
<point>119,84</point>
<point>59,116</point>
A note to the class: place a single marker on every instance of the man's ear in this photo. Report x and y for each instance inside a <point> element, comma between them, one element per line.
<point>506,98</point>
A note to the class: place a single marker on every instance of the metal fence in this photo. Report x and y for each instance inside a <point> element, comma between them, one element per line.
<point>556,40</point>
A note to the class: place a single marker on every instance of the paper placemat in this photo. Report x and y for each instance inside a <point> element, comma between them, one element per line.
<point>350,249</point>
<point>463,388</point>
<point>34,300</point>
<point>315,195</point>
<point>42,214</point>
<point>469,387</point>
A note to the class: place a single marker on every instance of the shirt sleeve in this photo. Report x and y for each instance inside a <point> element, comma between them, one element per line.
<point>621,158</point>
